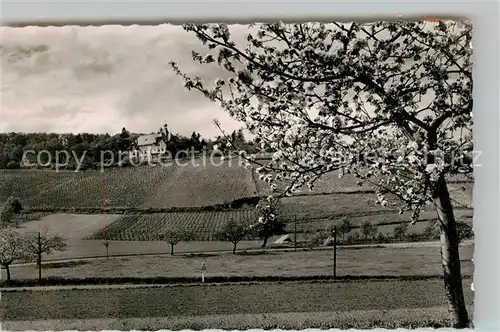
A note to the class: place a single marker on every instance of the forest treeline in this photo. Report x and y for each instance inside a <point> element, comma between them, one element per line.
<point>88,147</point>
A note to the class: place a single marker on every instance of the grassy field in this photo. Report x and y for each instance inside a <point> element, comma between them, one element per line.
<point>69,226</point>
<point>373,261</point>
<point>434,317</point>
<point>226,300</point>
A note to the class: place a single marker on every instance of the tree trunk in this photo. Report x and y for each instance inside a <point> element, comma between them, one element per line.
<point>39,261</point>
<point>107,256</point>
<point>171,249</point>
<point>265,242</point>
<point>450,255</point>
<point>7,268</point>
<point>234,248</point>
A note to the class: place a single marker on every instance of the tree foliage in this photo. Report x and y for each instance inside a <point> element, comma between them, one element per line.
<point>174,236</point>
<point>268,224</point>
<point>11,248</point>
<point>401,230</point>
<point>88,147</point>
<point>368,230</point>
<point>37,244</point>
<point>11,207</point>
<point>389,102</point>
<point>379,100</point>
<point>233,232</point>
<point>345,227</point>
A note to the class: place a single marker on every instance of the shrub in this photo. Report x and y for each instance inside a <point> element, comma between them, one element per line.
<point>464,230</point>
<point>368,230</point>
<point>353,238</point>
<point>400,231</point>
<point>13,165</point>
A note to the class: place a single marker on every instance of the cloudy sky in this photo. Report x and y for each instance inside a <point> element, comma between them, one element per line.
<point>100,79</point>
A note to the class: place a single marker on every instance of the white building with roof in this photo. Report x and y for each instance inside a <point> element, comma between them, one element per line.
<point>149,146</point>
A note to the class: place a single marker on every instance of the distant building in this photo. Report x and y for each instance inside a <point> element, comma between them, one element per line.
<point>151,145</point>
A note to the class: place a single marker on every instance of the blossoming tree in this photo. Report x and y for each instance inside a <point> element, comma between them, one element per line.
<point>388,102</point>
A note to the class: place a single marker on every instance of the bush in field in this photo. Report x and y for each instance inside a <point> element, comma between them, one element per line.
<point>368,230</point>
<point>233,232</point>
<point>344,228</point>
<point>464,230</point>
<point>317,239</point>
<point>431,231</point>
<point>11,207</point>
<point>381,238</point>
<point>173,237</point>
<point>400,231</point>
<point>353,238</point>
<point>13,165</point>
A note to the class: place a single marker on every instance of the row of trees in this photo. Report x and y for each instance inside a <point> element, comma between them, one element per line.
<point>89,146</point>
<point>18,246</point>
<point>369,233</point>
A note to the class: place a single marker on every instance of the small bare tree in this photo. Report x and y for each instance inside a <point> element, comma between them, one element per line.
<point>11,249</point>
<point>173,237</point>
<point>233,232</point>
<point>37,244</point>
<point>106,244</point>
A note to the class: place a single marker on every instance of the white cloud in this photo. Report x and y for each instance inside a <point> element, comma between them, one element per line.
<point>99,79</point>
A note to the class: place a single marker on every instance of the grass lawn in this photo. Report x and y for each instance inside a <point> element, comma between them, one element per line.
<point>182,302</point>
<point>417,260</point>
<point>359,319</point>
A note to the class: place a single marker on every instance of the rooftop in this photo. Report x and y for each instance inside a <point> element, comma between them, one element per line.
<point>147,139</point>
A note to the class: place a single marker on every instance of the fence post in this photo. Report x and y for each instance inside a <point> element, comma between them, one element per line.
<point>334,252</point>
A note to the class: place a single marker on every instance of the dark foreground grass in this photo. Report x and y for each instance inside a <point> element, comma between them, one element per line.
<point>433,317</point>
<point>160,280</point>
<point>264,298</point>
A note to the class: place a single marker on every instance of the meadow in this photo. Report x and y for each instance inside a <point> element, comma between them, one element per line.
<point>268,305</point>
<point>411,260</point>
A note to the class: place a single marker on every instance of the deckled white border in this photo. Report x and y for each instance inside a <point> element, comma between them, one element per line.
<point>484,15</point>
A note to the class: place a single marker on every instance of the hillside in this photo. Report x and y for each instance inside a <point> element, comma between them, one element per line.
<point>191,188</point>
<point>134,187</point>
<point>194,187</point>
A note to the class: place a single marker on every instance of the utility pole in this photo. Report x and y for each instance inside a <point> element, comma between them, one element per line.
<point>334,252</point>
<point>295,233</point>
